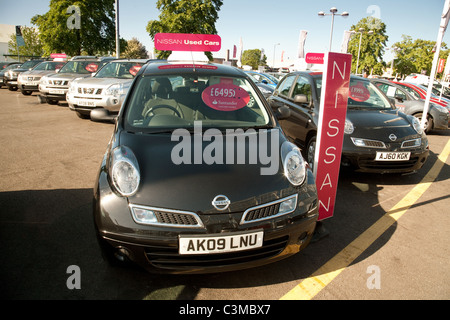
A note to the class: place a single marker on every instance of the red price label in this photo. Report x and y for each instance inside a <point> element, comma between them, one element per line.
<point>225,97</point>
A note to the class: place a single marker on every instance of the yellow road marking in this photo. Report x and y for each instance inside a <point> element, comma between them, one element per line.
<point>311,286</point>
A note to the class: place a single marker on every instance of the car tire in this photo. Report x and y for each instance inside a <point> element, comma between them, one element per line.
<point>12,88</point>
<point>26,92</point>
<point>310,151</point>
<point>42,99</point>
<point>52,102</point>
<point>428,122</point>
<point>82,116</point>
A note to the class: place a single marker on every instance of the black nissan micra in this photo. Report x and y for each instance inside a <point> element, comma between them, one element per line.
<point>198,176</point>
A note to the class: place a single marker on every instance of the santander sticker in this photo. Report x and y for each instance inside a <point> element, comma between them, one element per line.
<point>225,96</point>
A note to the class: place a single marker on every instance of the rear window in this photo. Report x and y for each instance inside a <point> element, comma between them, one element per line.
<point>176,101</point>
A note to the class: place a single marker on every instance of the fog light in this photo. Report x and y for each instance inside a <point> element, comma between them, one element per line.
<point>143,216</point>
<point>288,205</point>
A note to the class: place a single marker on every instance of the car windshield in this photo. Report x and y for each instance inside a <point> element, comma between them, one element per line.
<point>13,66</point>
<point>80,66</point>
<point>49,65</point>
<point>121,70</point>
<point>30,64</point>
<point>362,94</point>
<point>164,103</point>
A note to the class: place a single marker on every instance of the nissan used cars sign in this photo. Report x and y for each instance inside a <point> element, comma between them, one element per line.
<point>187,42</point>
<point>333,110</point>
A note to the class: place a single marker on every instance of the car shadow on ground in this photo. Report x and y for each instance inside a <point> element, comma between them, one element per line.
<point>44,232</point>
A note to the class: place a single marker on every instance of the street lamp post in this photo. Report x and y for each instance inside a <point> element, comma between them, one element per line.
<point>332,14</point>
<point>117,30</point>
<point>361,31</point>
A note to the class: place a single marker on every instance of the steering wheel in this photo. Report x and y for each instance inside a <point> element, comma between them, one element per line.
<point>150,111</point>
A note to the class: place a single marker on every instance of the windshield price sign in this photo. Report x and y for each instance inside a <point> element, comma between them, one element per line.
<point>187,42</point>
<point>330,137</point>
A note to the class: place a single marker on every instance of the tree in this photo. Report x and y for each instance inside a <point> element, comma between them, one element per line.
<point>33,46</point>
<point>372,46</point>
<point>416,56</point>
<point>185,16</point>
<point>253,58</point>
<point>93,34</point>
<point>135,50</point>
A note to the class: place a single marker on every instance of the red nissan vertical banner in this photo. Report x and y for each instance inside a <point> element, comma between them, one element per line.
<point>330,135</point>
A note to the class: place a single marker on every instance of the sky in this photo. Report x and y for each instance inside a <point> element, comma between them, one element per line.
<point>272,25</point>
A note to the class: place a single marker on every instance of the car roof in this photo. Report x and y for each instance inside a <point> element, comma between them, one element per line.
<point>200,68</point>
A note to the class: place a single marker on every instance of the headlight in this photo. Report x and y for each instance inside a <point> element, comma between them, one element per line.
<point>416,124</point>
<point>44,80</point>
<point>293,163</point>
<point>114,90</point>
<point>125,175</point>
<point>348,129</point>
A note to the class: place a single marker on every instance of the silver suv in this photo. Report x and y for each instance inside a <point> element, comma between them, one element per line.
<point>105,90</point>
<point>53,88</point>
<point>28,82</point>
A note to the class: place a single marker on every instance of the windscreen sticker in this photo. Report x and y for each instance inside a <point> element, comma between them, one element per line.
<point>92,67</point>
<point>225,96</point>
<point>187,66</point>
<point>359,92</point>
<point>135,69</point>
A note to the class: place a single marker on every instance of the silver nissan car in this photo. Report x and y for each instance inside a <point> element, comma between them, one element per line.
<point>105,90</point>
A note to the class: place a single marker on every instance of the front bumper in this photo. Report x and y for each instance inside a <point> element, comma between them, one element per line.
<point>28,87</point>
<point>155,248</point>
<point>53,93</point>
<point>85,104</point>
<point>363,159</point>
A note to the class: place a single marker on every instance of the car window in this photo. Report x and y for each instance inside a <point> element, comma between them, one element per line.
<point>49,66</point>
<point>176,101</point>
<point>285,87</point>
<point>412,92</point>
<point>302,86</point>
<point>82,67</point>
<point>121,70</point>
<point>364,94</point>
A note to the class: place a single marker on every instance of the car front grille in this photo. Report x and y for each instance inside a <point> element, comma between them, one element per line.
<point>169,258</point>
<point>89,90</point>
<point>58,82</point>
<point>262,213</point>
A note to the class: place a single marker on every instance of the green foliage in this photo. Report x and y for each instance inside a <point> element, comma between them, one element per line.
<point>134,50</point>
<point>372,46</point>
<point>415,56</point>
<point>96,34</point>
<point>253,58</point>
<point>185,16</point>
<point>33,46</point>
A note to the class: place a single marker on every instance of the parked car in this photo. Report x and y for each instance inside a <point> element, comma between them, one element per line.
<point>265,89</point>
<point>107,89</point>
<point>10,77</point>
<point>3,65</point>
<point>181,215</point>
<point>418,92</point>
<point>6,69</point>
<point>264,78</point>
<point>53,88</point>
<point>28,81</point>
<point>438,116</point>
<point>378,137</point>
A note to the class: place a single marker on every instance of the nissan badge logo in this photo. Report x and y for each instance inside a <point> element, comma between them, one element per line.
<point>221,203</point>
<point>393,137</point>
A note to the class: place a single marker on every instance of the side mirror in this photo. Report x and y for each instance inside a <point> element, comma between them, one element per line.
<point>283,113</point>
<point>301,98</point>
<point>399,98</point>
